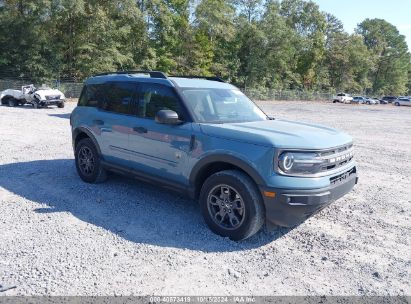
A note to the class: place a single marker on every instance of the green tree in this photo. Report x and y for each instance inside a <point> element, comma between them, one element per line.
<point>250,9</point>
<point>305,18</point>
<point>391,56</point>
<point>171,34</point>
<point>25,46</point>
<point>120,44</point>
<point>215,31</point>
<point>348,60</point>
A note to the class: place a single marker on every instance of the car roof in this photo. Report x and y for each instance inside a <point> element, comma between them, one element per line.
<point>182,82</point>
<point>100,79</point>
<point>200,83</point>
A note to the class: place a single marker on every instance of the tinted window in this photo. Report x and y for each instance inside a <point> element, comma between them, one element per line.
<point>119,97</point>
<point>92,95</point>
<point>155,97</point>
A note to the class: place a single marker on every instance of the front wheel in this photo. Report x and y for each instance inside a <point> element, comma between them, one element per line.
<point>12,102</point>
<point>397,104</point>
<point>61,104</point>
<point>35,103</point>
<point>232,205</point>
<point>88,163</point>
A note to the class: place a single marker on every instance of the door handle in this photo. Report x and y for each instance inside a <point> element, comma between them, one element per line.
<point>140,129</point>
<point>98,122</point>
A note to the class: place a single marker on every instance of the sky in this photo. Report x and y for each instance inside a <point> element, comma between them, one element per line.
<point>353,12</point>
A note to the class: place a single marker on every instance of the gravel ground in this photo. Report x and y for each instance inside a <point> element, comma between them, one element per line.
<point>60,236</point>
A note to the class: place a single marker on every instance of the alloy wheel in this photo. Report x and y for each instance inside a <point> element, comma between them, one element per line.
<point>86,160</point>
<point>226,207</point>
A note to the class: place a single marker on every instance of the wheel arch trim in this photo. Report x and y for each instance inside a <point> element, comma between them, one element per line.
<point>224,158</point>
<point>81,130</point>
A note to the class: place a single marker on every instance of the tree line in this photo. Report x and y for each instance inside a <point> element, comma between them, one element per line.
<point>259,44</point>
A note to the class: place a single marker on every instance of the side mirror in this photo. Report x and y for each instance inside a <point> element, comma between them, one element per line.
<point>168,117</point>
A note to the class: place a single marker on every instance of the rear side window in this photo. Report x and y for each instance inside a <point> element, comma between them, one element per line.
<point>92,95</point>
<point>155,97</point>
<point>119,97</point>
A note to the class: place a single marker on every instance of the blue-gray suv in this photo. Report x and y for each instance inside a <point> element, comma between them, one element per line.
<point>205,138</point>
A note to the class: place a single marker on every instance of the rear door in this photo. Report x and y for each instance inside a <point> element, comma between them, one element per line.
<point>159,149</point>
<point>115,121</point>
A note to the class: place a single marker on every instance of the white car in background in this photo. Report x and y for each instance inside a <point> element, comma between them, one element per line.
<point>403,101</point>
<point>342,97</point>
<point>41,97</point>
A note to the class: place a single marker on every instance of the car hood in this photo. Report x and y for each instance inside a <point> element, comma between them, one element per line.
<point>279,133</point>
<point>49,92</point>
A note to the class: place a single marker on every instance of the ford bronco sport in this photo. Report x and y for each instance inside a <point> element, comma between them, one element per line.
<point>204,137</point>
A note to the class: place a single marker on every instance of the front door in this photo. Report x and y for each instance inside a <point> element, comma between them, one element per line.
<point>159,149</point>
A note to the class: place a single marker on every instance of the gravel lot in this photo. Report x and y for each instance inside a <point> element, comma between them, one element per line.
<point>60,236</point>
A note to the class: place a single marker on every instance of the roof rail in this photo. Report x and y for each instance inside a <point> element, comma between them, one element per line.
<point>153,74</point>
<point>213,78</point>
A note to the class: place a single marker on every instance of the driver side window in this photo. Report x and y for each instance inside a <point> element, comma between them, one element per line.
<point>155,97</point>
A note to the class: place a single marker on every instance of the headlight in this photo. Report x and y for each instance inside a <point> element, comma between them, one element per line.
<point>300,163</point>
<point>309,163</point>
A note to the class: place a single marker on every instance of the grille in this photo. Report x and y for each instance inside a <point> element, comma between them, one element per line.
<point>335,158</point>
<point>342,177</point>
<point>52,97</point>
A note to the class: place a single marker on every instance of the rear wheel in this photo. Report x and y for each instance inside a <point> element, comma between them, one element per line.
<point>88,163</point>
<point>397,104</point>
<point>231,205</point>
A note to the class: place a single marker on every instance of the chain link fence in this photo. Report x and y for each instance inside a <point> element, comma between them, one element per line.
<point>73,89</point>
<point>297,95</point>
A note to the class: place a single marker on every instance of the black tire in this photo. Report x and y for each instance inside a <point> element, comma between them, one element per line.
<point>12,102</point>
<point>89,170</point>
<point>237,222</point>
<point>61,104</point>
<point>35,103</point>
<point>397,104</point>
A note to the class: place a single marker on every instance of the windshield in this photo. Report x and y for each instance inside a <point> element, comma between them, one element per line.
<point>222,105</point>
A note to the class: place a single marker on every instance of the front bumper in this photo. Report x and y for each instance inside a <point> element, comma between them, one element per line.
<point>291,207</point>
<point>51,102</point>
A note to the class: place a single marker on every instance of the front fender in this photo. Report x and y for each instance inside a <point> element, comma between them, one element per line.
<point>229,159</point>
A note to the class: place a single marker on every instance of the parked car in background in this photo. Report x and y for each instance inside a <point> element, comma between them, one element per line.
<point>358,99</point>
<point>389,99</point>
<point>377,100</point>
<point>371,101</point>
<point>403,101</point>
<point>343,98</point>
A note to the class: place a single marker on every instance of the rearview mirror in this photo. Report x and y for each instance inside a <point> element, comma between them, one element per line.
<point>167,117</point>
